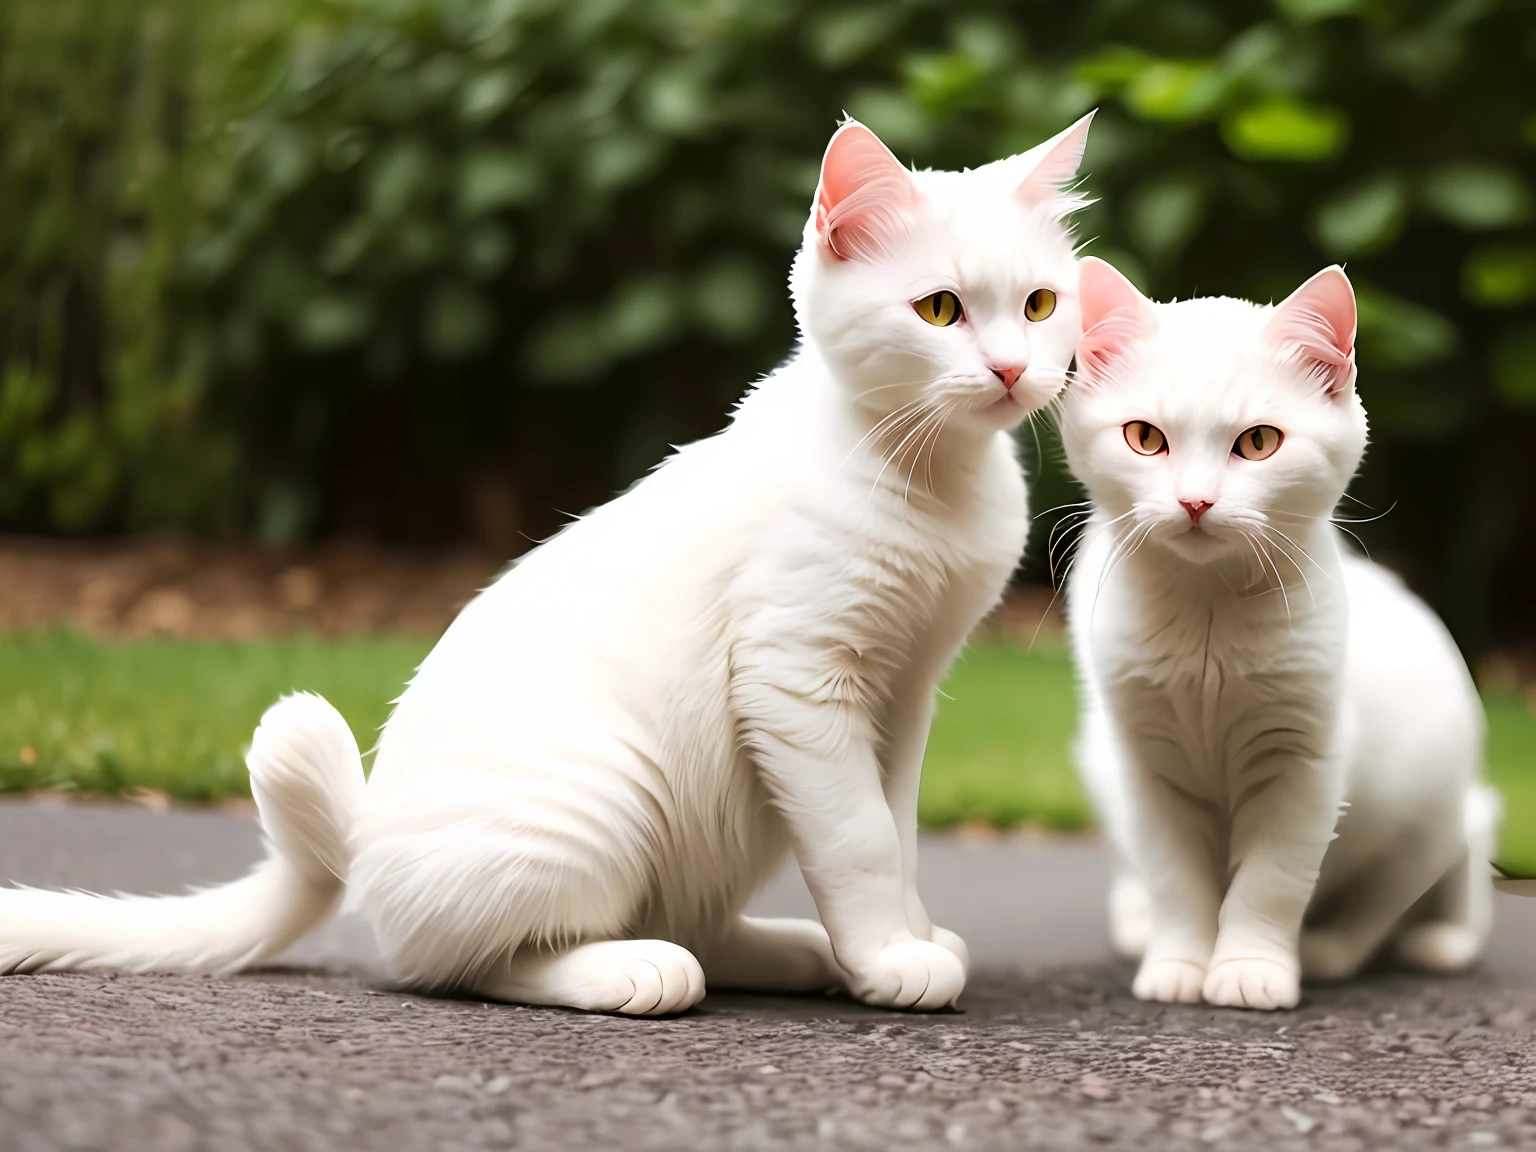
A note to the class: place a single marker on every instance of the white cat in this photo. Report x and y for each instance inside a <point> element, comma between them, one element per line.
<point>1244,676</point>
<point>619,741</point>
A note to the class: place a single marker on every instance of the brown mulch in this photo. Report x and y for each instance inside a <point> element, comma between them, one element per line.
<point>169,586</point>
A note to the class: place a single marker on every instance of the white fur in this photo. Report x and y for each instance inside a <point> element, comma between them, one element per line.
<point>619,741</point>
<point>307,777</point>
<point>1242,688</point>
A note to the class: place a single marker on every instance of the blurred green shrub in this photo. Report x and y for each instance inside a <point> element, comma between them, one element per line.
<point>421,268</point>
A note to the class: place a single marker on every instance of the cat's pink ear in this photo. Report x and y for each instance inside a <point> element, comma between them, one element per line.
<point>864,194</point>
<point>1057,168</point>
<point>1315,325</point>
<point>1115,316</point>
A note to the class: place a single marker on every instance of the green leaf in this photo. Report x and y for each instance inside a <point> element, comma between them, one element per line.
<point>347,245</point>
<point>842,36</point>
<point>331,321</point>
<point>642,314</point>
<point>622,161</point>
<point>492,178</point>
<point>1284,129</point>
<point>1417,406</point>
<point>1477,197</point>
<point>487,249</point>
<point>397,176</point>
<point>1500,276</point>
<point>487,95</point>
<point>993,41</point>
<point>1363,219</point>
<point>568,348</point>
<point>1178,91</point>
<point>1112,68</point>
<point>893,116</point>
<point>941,83</point>
<point>1399,334</point>
<point>676,101</point>
<point>1163,216</point>
<point>457,323</point>
<point>729,298</point>
<point>1514,365</point>
<point>1309,11</point>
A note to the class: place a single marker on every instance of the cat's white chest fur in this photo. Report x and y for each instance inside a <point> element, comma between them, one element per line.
<point>1211,682</point>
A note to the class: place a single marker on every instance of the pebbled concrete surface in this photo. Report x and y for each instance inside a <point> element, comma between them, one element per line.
<point>1050,1051</point>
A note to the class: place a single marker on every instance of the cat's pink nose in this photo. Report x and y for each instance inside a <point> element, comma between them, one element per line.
<point>1195,508</point>
<point>1009,376</point>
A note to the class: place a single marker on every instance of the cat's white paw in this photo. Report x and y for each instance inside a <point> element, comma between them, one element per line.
<point>947,940</point>
<point>1169,981</point>
<point>1253,982</point>
<point>643,978</point>
<point>1327,956</point>
<point>916,974</point>
<point>1439,947</point>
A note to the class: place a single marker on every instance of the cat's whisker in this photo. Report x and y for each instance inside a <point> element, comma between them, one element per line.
<point>1356,537</point>
<point>933,448</point>
<point>889,422</point>
<point>1076,504</point>
<point>891,425</point>
<point>1290,621</point>
<point>1294,563</point>
<point>891,458</point>
<point>936,427</point>
<point>1271,528</point>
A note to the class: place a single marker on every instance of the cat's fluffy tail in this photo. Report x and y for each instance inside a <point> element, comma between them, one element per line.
<point>307,777</point>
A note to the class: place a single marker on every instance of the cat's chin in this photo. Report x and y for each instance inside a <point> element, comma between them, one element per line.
<point>1198,546</point>
<point>1000,415</point>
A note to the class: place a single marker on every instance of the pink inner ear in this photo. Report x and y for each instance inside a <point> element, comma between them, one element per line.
<point>1316,326</point>
<point>864,194</point>
<point>1115,316</point>
<point>1058,167</point>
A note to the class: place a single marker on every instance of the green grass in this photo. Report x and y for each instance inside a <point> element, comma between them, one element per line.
<point>172,715</point>
<point>175,716</point>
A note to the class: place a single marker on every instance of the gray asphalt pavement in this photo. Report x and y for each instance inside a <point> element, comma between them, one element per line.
<point>1049,1050</point>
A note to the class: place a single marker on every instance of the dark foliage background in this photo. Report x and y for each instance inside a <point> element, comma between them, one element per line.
<point>425,270</point>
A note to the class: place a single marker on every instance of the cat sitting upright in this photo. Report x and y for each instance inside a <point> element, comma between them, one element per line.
<point>620,740</point>
<point>1244,677</point>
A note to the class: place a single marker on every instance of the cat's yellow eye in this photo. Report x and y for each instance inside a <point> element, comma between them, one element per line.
<point>941,309</point>
<point>1259,442</point>
<point>1041,303</point>
<point>1144,438</point>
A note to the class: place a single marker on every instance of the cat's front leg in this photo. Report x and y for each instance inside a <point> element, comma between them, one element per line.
<point>909,719</point>
<point>818,760</point>
<point>1174,835</point>
<point>1279,835</point>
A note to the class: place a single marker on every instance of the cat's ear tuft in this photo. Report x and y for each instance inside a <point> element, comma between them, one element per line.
<point>1315,326</point>
<point>1115,316</point>
<point>864,194</point>
<point>1057,168</point>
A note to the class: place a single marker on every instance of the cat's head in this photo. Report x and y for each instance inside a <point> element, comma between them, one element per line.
<point>1214,422</point>
<point>943,291</point>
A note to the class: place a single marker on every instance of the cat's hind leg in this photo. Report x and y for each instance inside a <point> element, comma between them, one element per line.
<point>1130,915</point>
<point>631,977</point>
<point>1362,917</point>
<point>534,897</point>
<point>1458,913</point>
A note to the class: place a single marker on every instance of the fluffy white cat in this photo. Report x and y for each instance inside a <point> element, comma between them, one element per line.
<point>618,742</point>
<point>1244,677</point>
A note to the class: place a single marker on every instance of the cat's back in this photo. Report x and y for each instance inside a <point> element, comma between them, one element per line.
<point>1406,675</point>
